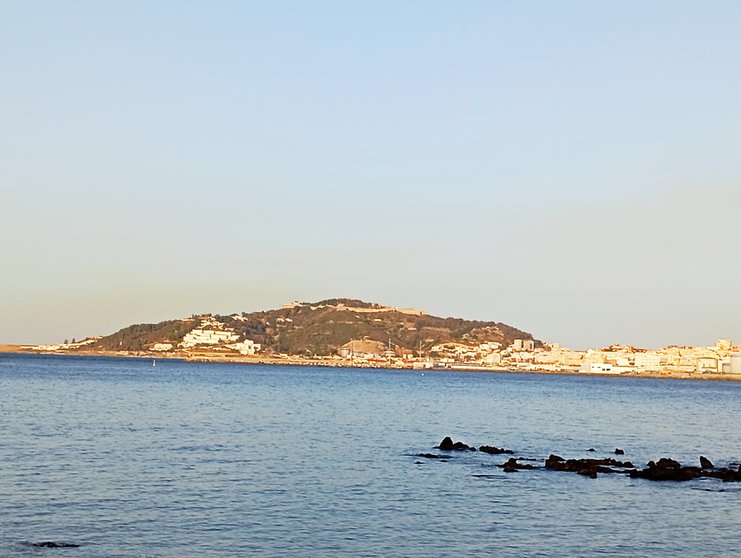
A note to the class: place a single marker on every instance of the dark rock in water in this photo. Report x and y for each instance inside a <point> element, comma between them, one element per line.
<point>666,469</point>
<point>615,463</point>
<point>726,475</point>
<point>448,445</point>
<point>667,463</point>
<point>586,467</point>
<point>511,465</point>
<point>494,450</point>
<point>52,544</point>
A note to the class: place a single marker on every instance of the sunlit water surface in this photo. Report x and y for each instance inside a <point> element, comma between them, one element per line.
<point>130,460</point>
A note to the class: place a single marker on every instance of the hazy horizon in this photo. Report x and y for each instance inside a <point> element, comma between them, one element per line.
<point>570,169</point>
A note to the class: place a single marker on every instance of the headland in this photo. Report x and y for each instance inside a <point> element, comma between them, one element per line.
<point>353,333</point>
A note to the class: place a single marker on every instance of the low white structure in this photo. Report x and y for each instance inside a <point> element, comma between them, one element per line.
<point>735,364</point>
<point>708,364</point>
<point>246,347</point>
<point>494,359</point>
<point>600,368</point>
<point>647,360</point>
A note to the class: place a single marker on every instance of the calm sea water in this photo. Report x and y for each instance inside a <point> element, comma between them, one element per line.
<point>207,460</point>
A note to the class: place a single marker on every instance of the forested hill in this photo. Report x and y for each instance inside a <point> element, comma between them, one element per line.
<point>320,328</point>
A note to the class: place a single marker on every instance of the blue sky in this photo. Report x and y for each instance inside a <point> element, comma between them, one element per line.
<point>569,168</point>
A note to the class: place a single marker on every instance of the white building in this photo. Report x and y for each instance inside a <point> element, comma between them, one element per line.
<point>723,344</point>
<point>201,336</point>
<point>597,368</point>
<point>212,333</point>
<point>647,360</point>
<point>523,345</point>
<point>247,347</point>
<point>734,367</point>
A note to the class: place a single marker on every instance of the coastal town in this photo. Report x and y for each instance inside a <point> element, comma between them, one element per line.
<point>213,340</point>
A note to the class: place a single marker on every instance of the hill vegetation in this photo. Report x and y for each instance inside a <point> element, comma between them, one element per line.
<point>139,337</point>
<point>322,328</point>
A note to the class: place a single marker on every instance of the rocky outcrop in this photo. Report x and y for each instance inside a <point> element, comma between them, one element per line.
<point>493,450</point>
<point>511,465</point>
<point>586,467</point>
<point>666,469</point>
<point>727,475</point>
<point>448,445</point>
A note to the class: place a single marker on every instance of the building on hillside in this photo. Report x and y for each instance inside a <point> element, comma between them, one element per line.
<point>213,334</point>
<point>494,359</point>
<point>200,336</point>
<point>707,364</point>
<point>723,344</point>
<point>734,366</point>
<point>649,361</point>
<point>523,345</point>
<point>364,348</point>
<point>570,358</point>
<point>247,347</point>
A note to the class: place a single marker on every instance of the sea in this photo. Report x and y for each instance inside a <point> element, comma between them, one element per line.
<point>127,459</point>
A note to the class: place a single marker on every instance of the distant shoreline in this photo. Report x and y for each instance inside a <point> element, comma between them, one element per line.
<point>342,363</point>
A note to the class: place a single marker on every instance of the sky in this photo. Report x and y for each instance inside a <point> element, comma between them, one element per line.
<point>570,168</point>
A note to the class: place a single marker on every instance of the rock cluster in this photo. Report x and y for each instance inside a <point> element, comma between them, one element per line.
<point>494,450</point>
<point>511,465</point>
<point>665,469</point>
<point>586,467</point>
<point>448,445</point>
<point>668,469</point>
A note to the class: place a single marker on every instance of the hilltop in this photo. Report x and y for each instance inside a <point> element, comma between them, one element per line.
<point>348,332</point>
<point>328,327</point>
